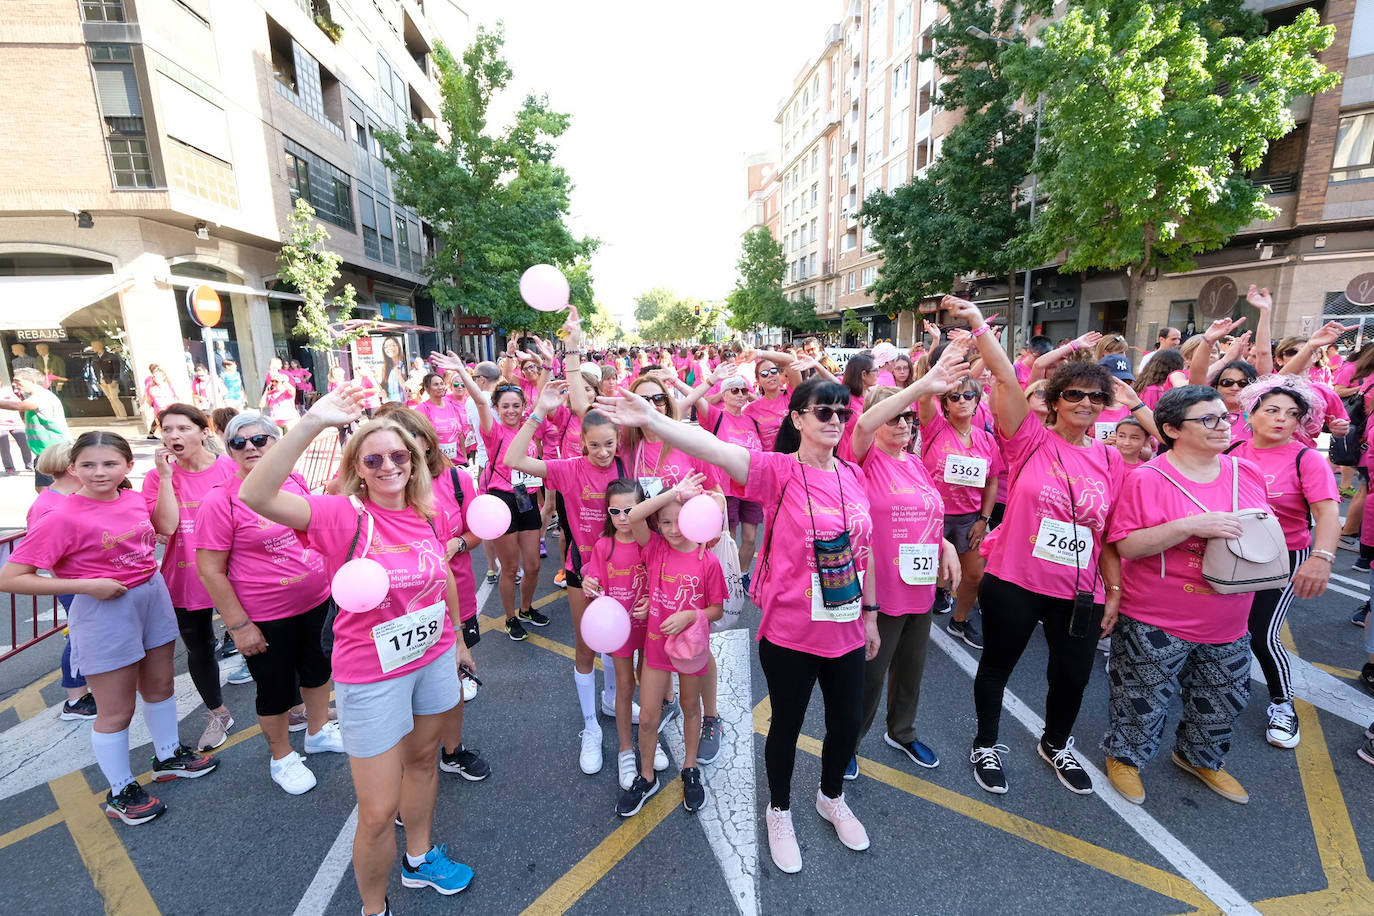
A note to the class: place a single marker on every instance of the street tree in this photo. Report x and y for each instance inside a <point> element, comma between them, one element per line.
<point>850,323</point>
<point>494,196</point>
<point>312,270</point>
<point>650,302</point>
<point>757,299</point>
<point>677,321</point>
<point>1154,112</point>
<point>796,317</point>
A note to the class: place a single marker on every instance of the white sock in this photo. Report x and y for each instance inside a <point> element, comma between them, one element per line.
<point>416,862</point>
<point>608,675</point>
<point>112,754</point>
<point>161,719</point>
<point>586,696</point>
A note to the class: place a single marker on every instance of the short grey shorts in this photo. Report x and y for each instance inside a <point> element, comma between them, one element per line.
<point>107,635</point>
<point>373,718</point>
<point>958,528</point>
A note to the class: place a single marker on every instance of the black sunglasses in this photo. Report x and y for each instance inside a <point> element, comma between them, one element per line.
<point>239,443</point>
<point>825,413</point>
<point>1233,383</point>
<point>1291,352</point>
<point>962,396</point>
<point>1074,395</point>
<point>502,389</point>
<point>909,417</point>
<point>400,458</point>
<point>657,400</point>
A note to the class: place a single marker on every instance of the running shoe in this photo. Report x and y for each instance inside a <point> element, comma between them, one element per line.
<point>514,630</point>
<point>519,576</point>
<point>1367,676</point>
<point>944,603</point>
<point>671,710</point>
<point>535,617</point>
<point>437,871</point>
<point>589,757</point>
<point>709,748</point>
<point>628,769</point>
<point>851,769</point>
<point>746,580</point>
<point>987,768</point>
<point>552,527</point>
<point>492,576</point>
<point>660,758</point>
<point>466,762</point>
<point>560,578</point>
<point>226,646</point>
<point>543,550</point>
<point>847,827</point>
<point>1366,751</point>
<point>1361,614</point>
<point>469,689</point>
<point>1361,564</point>
<point>1283,725</point>
<point>327,740</point>
<point>216,731</point>
<point>693,792</point>
<point>241,674</point>
<point>297,721</point>
<point>967,630</point>
<point>782,841</point>
<point>133,805</point>
<point>1067,767</point>
<point>77,710</point>
<point>292,774</point>
<point>1125,779</point>
<point>919,752</point>
<point>633,798</point>
<point>184,764</point>
<point>608,708</point>
<point>1349,542</point>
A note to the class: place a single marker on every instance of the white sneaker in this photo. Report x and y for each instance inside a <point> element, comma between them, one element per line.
<point>292,774</point>
<point>608,708</point>
<point>590,757</point>
<point>325,741</point>
<point>628,769</point>
<point>660,758</point>
<point>469,690</point>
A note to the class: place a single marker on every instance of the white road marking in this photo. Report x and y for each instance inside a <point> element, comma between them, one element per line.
<point>316,898</point>
<point>1324,691</point>
<point>1183,859</point>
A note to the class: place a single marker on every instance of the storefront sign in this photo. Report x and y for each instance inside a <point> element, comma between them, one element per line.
<point>202,302</point>
<point>1360,291</point>
<point>41,334</point>
<point>364,346</point>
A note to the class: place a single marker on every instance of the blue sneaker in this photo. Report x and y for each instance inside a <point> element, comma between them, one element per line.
<point>851,769</point>
<point>920,753</point>
<point>437,871</point>
<point>241,674</point>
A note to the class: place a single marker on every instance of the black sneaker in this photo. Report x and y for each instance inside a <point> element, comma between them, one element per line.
<point>514,630</point>
<point>465,762</point>
<point>944,602</point>
<point>1358,618</point>
<point>633,798</point>
<point>133,805</point>
<point>1361,564</point>
<point>535,617</point>
<point>226,646</point>
<point>1367,676</point>
<point>987,768</point>
<point>693,792</point>
<point>184,764</point>
<point>1066,767</point>
<point>74,710</point>
<point>967,630</point>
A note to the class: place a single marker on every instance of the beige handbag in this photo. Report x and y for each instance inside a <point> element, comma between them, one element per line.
<point>1253,562</point>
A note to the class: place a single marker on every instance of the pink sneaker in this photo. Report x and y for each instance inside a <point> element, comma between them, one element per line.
<point>847,826</point>
<point>782,841</point>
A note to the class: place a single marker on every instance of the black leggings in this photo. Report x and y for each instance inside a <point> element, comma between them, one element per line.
<point>1267,613</point>
<point>791,677</point>
<point>1010,615</point>
<point>198,633</point>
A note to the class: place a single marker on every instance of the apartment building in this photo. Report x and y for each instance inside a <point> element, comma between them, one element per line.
<point>157,146</point>
<point>763,208</point>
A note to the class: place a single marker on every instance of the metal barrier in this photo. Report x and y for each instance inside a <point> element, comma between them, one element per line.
<point>36,622</point>
<point>320,461</point>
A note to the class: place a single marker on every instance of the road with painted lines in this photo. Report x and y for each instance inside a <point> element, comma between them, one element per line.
<point>543,839</point>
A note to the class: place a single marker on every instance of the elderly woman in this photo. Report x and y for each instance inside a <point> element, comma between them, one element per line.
<point>273,596</point>
<point>1175,632</point>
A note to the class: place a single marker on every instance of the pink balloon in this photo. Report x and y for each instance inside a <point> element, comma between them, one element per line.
<point>488,517</point>
<point>605,625</point>
<point>360,585</point>
<point>700,519</point>
<point>544,288</point>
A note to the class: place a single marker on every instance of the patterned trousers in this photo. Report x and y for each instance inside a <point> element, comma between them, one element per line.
<point>1147,665</point>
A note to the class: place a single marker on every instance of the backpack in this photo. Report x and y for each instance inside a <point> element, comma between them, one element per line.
<point>1346,450</point>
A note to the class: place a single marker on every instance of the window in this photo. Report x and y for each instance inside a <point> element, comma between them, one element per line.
<point>851,282</point>
<point>815,194</point>
<point>815,237</point>
<point>387,232</point>
<point>326,188</point>
<point>283,55</point>
<point>112,53</point>
<point>1354,156</point>
<point>130,163</point>
<point>896,173</point>
<point>873,146</point>
<point>803,234</point>
<point>902,24</point>
<point>811,264</point>
<point>901,79</point>
<point>867,276</point>
<point>367,214</point>
<point>102,10</point>
<point>898,132</point>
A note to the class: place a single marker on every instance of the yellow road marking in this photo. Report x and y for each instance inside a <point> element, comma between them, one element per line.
<point>112,872</point>
<point>582,877</point>
<point>28,702</point>
<point>1349,674</point>
<point>29,829</point>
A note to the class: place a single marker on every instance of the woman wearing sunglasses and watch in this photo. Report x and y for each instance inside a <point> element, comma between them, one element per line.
<point>396,664</point>
<point>1048,562</point>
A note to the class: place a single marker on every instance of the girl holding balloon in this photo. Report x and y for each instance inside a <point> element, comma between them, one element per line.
<point>395,659</point>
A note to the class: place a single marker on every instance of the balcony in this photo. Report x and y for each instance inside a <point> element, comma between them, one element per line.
<point>1278,184</point>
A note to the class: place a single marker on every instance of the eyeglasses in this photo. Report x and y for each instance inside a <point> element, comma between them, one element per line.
<point>239,443</point>
<point>1074,395</point>
<point>1233,383</point>
<point>1213,420</point>
<point>957,396</point>
<point>825,413</point>
<point>768,373</point>
<point>613,511</point>
<point>909,417</point>
<point>400,458</point>
<point>738,389</point>
<point>1290,352</point>
<point>658,400</point>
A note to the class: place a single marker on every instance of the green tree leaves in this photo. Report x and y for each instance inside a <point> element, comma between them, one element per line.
<point>676,320</point>
<point>312,270</point>
<point>757,300</point>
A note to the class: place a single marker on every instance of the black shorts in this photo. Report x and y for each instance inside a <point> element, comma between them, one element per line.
<point>294,653</point>
<point>529,520</point>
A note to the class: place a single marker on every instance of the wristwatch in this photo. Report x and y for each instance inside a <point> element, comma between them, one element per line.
<point>985,519</point>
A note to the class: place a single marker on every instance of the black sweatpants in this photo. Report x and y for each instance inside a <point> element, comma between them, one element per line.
<point>198,633</point>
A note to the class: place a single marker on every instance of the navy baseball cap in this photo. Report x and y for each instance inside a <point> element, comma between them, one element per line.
<point>1118,366</point>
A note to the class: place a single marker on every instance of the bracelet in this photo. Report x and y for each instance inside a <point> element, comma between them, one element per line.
<point>872,607</point>
<point>1112,588</point>
<point>1326,555</point>
<point>239,627</point>
<point>979,332</point>
<point>535,417</point>
<point>462,544</point>
<point>1138,406</point>
<point>1074,344</point>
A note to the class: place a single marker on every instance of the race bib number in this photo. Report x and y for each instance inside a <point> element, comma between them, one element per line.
<point>470,439</point>
<point>918,563</point>
<point>529,480</point>
<point>966,471</point>
<point>1104,431</point>
<point>845,613</point>
<point>450,449</point>
<point>406,638</point>
<point>652,486</point>
<point>1064,543</point>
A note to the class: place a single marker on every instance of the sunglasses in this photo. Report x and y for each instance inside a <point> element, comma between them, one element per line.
<point>909,417</point>
<point>825,414</point>
<point>1074,395</point>
<point>768,373</point>
<point>400,458</point>
<point>658,400</point>
<point>962,396</point>
<point>738,389</point>
<point>613,511</point>
<point>1233,383</point>
<point>239,443</point>
<point>1291,352</point>
<point>502,389</point>
<point>1213,420</point>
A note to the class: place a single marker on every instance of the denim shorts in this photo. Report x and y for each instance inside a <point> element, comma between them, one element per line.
<point>373,718</point>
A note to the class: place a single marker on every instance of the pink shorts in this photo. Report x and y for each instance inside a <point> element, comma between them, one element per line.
<point>636,641</point>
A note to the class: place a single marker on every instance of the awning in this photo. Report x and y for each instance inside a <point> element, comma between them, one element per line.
<point>47,301</point>
<point>191,282</point>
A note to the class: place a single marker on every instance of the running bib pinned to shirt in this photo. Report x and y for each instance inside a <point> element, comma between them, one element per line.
<point>652,486</point>
<point>965,470</point>
<point>845,613</point>
<point>408,637</point>
<point>518,477</point>
<point>918,563</point>
<point>450,449</point>
<point>1064,543</point>
<point>1103,431</point>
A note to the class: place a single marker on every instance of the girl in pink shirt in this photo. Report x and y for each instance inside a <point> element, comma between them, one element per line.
<point>123,631</point>
<point>770,406</point>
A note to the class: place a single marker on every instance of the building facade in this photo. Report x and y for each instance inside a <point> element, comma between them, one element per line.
<point>159,145</point>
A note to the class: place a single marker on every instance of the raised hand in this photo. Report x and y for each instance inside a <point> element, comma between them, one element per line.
<point>689,486</point>
<point>1329,333</point>
<point>164,459</point>
<point>1259,298</point>
<point>552,396</point>
<point>1220,328</point>
<point>626,409</point>
<point>962,308</point>
<point>572,329</point>
<point>449,361</point>
<point>340,407</point>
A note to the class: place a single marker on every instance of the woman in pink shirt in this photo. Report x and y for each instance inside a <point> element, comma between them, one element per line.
<point>1153,380</point>
<point>770,406</point>
<point>1175,632</point>
<point>1047,562</point>
<point>1300,489</point>
<point>449,419</point>
<point>395,665</point>
<point>279,396</point>
<point>158,395</point>
<point>819,532</point>
<point>860,374</point>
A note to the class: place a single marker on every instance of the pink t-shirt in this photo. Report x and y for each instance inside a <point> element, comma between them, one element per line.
<point>272,575</point>
<point>769,412</point>
<point>618,567</point>
<point>1168,591</point>
<point>1107,420</point>
<point>907,509</point>
<point>845,449</point>
<point>669,466</point>
<point>938,442</point>
<point>679,581</point>
<point>742,430</point>
<point>461,563</point>
<point>1345,375</point>
<point>1151,395</point>
<point>497,476</point>
<point>1045,470</point>
<point>405,544</point>
<point>94,539</point>
<point>786,563</point>
<point>565,433</point>
<point>179,556</point>
<point>48,499</point>
<point>583,487</point>
<point>450,421</point>
<point>1291,492</point>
